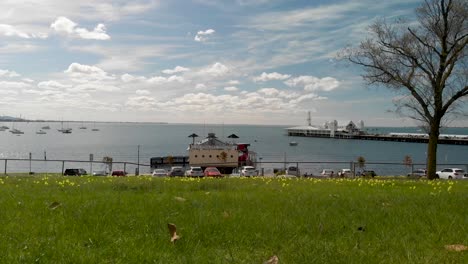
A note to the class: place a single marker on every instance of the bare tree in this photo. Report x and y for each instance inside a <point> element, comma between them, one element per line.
<point>426,62</point>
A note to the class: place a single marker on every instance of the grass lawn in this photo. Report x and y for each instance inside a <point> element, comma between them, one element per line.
<point>55,219</point>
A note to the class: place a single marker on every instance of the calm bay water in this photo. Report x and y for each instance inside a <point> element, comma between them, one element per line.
<point>120,141</point>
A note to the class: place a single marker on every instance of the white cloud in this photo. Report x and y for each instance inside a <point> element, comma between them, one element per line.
<point>201,87</point>
<point>94,87</point>
<point>306,97</point>
<point>231,89</point>
<point>52,85</point>
<point>9,74</point>
<point>10,31</point>
<point>202,36</point>
<point>130,78</point>
<point>170,79</point>
<point>264,77</point>
<point>311,83</point>
<point>14,85</point>
<point>234,82</point>
<point>85,72</point>
<point>21,48</point>
<point>145,103</point>
<point>217,69</point>
<point>63,25</point>
<point>143,92</point>
<point>28,80</point>
<point>8,92</point>
<point>177,69</point>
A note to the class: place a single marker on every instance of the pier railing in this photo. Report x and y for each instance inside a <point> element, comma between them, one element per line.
<point>303,168</point>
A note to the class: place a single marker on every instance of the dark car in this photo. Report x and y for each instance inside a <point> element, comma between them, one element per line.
<point>75,172</point>
<point>119,173</point>
<point>370,173</point>
<point>176,171</point>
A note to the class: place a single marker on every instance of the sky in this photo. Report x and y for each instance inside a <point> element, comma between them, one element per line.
<point>191,61</point>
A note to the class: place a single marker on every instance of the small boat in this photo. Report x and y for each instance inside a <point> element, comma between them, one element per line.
<point>83,127</point>
<point>41,132</point>
<point>66,130</point>
<point>4,127</point>
<point>16,131</point>
<point>293,143</point>
<point>46,127</point>
<point>94,127</point>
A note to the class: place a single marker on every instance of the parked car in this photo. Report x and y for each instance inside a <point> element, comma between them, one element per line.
<point>248,171</point>
<point>119,173</point>
<point>327,173</point>
<point>292,170</point>
<point>235,172</point>
<point>74,172</point>
<point>345,173</point>
<point>212,172</point>
<point>194,172</point>
<point>418,173</point>
<point>159,173</point>
<point>451,173</point>
<point>176,171</point>
<point>100,173</point>
<point>370,173</point>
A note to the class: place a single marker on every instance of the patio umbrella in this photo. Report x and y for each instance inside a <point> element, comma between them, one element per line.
<point>233,136</point>
<point>193,136</point>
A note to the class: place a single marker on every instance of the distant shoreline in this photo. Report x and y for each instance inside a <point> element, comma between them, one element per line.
<point>74,121</point>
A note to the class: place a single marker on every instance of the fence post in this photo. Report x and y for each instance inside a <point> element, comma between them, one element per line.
<point>6,161</point>
<point>125,167</point>
<point>63,166</point>
<point>298,172</point>
<point>30,165</point>
<point>353,168</point>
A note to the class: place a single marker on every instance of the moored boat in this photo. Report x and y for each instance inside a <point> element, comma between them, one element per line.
<point>16,131</point>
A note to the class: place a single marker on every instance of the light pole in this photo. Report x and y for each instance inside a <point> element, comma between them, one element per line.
<point>138,161</point>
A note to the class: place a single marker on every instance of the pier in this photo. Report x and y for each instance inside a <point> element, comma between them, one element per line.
<point>409,138</point>
<point>352,131</point>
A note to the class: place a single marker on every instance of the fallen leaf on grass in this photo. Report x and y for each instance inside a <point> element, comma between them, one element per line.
<point>272,260</point>
<point>225,214</point>
<point>457,248</point>
<point>54,205</point>
<point>179,199</point>
<point>173,232</point>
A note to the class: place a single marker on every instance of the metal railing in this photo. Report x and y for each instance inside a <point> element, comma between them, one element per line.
<point>33,166</point>
<point>303,168</point>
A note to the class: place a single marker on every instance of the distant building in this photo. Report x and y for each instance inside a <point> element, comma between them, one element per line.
<point>211,152</point>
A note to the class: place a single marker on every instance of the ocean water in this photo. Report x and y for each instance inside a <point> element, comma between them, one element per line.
<point>120,141</point>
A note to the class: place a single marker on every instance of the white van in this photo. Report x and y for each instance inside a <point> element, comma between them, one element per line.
<point>327,173</point>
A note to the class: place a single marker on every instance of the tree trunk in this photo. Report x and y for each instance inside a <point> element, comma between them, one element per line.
<point>432,149</point>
